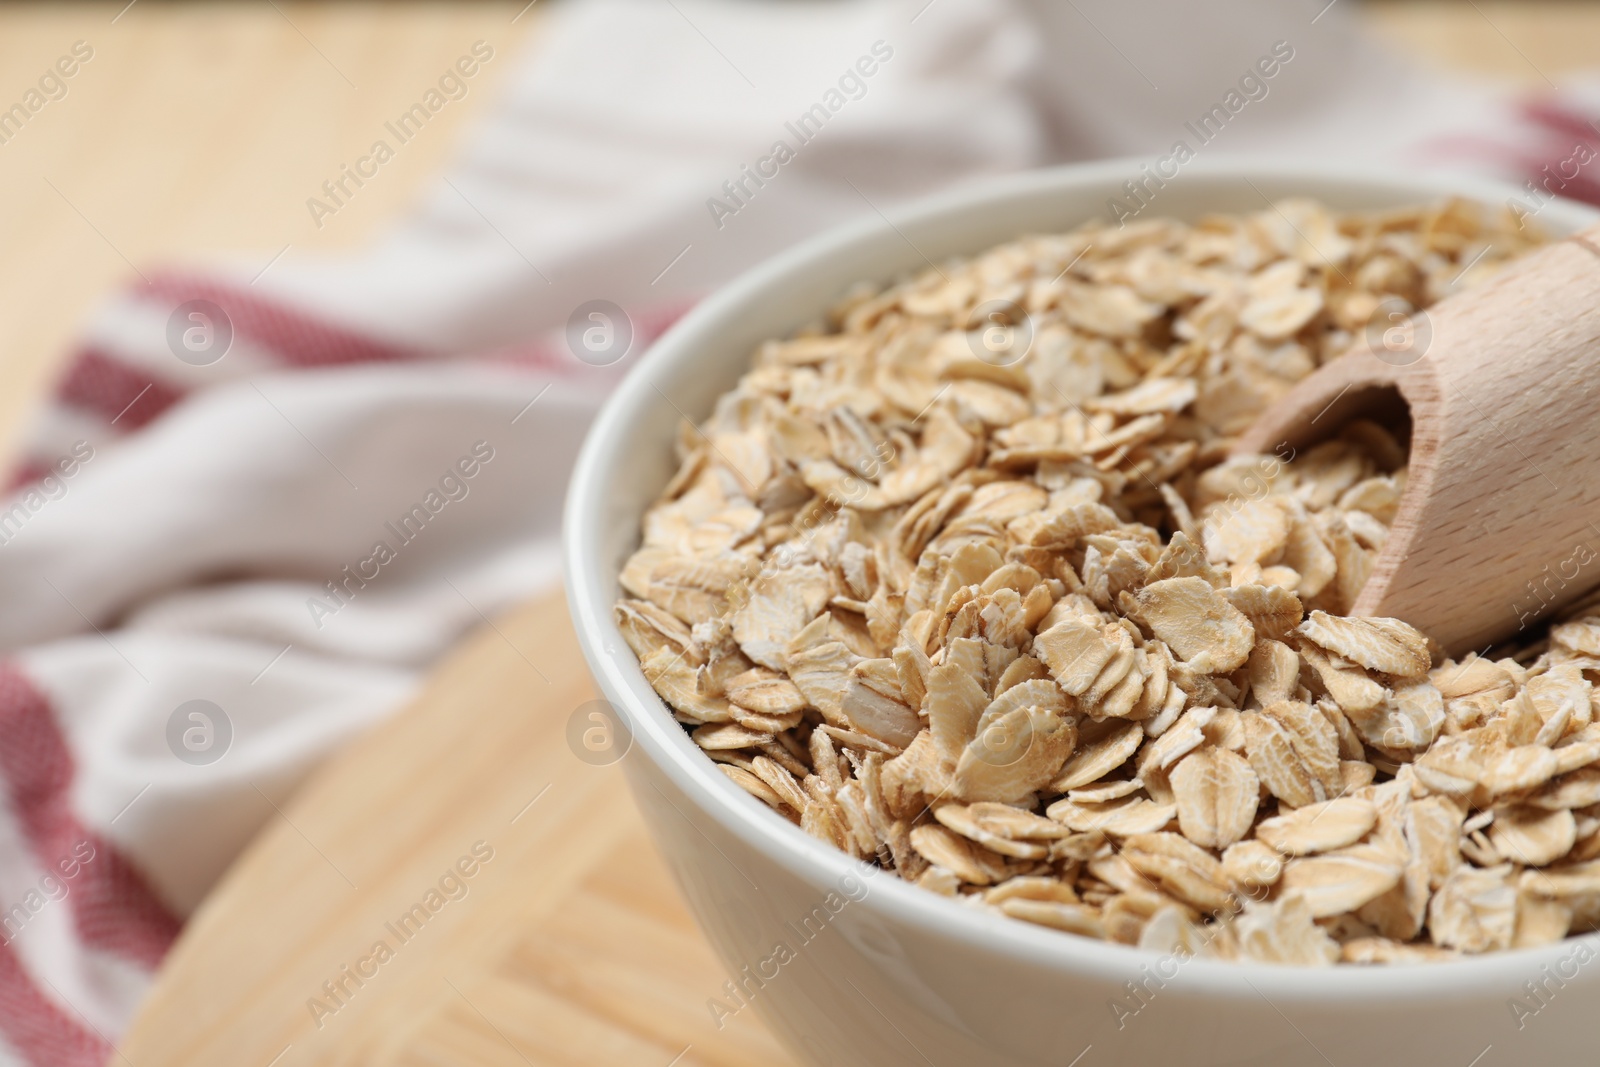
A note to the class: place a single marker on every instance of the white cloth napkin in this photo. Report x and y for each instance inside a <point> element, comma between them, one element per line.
<point>211,531</point>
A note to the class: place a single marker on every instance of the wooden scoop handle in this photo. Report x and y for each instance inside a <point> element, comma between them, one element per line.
<point>1499,524</point>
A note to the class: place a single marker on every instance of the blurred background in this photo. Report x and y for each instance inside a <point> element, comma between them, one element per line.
<point>586,144</point>
<point>202,128</point>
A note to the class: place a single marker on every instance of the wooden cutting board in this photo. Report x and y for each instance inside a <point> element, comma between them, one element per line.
<point>569,946</point>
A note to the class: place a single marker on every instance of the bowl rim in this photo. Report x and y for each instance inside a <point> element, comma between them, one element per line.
<point>658,737</point>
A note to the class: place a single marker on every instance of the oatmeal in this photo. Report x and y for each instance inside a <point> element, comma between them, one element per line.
<point>964,582</point>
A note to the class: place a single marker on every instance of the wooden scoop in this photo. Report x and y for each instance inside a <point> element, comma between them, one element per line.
<point>1499,524</point>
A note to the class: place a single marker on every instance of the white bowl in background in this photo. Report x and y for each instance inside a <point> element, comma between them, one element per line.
<point>883,973</point>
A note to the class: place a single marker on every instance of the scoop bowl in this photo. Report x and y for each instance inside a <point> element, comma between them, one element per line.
<point>852,967</point>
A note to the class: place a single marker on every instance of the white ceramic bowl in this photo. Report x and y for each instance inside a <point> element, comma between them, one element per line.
<point>854,967</point>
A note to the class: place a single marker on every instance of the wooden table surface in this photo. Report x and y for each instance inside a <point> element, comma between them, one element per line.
<point>199,130</point>
<point>570,945</point>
